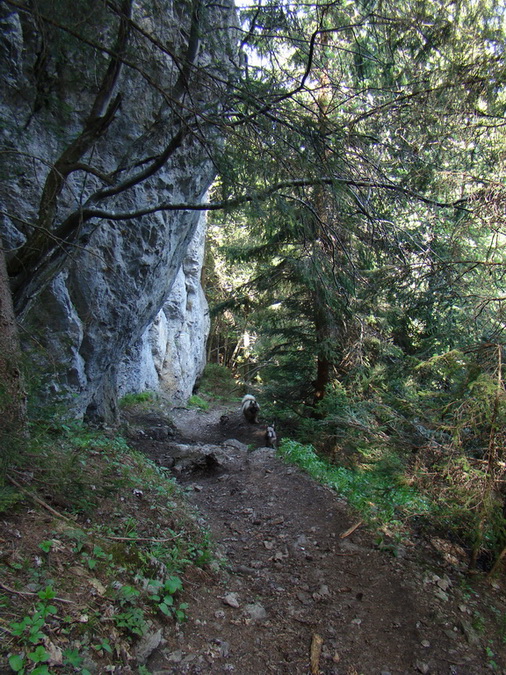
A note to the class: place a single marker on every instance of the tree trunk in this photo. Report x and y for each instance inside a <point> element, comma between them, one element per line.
<point>13,426</point>
<point>324,321</point>
<point>324,332</point>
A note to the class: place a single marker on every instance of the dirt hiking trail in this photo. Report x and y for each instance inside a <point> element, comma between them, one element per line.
<point>299,591</point>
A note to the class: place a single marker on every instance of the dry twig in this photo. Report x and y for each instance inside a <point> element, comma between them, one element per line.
<point>40,501</point>
<point>11,590</point>
<point>316,650</point>
<point>351,530</point>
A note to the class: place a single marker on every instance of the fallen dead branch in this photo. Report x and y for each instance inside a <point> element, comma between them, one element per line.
<point>11,590</point>
<point>351,530</point>
<point>316,650</point>
<point>39,501</point>
<point>135,539</point>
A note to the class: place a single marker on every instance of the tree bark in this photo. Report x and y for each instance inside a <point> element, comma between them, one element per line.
<point>13,423</point>
<point>324,321</point>
<point>324,333</point>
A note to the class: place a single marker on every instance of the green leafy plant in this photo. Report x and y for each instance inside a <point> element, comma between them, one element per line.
<point>491,656</point>
<point>30,634</point>
<point>46,546</point>
<point>201,553</point>
<point>97,554</point>
<point>103,646</point>
<point>32,660</point>
<point>128,594</point>
<point>74,660</point>
<point>131,619</point>
<point>162,594</point>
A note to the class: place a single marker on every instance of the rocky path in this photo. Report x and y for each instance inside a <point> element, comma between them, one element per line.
<point>301,590</point>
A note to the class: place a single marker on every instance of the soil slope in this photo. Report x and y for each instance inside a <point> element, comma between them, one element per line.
<point>298,591</point>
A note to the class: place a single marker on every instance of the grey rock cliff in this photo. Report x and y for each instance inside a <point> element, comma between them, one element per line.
<point>171,352</point>
<point>114,305</point>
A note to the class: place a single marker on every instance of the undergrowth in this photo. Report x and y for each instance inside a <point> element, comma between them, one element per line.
<point>218,383</point>
<point>378,492</point>
<point>95,541</point>
<point>140,398</point>
<point>411,440</point>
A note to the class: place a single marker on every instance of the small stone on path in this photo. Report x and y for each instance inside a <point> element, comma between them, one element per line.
<point>232,600</point>
<point>256,612</point>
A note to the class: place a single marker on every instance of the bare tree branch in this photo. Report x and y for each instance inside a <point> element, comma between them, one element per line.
<point>102,113</point>
<point>260,195</point>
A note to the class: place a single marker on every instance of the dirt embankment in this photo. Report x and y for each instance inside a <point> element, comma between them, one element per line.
<point>300,589</point>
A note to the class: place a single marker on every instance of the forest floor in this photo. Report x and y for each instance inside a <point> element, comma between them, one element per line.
<point>299,589</point>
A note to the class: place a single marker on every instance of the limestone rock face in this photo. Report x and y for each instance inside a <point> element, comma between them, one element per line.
<point>111,304</point>
<point>171,352</point>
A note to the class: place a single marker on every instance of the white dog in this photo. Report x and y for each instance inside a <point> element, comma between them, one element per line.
<point>250,408</point>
